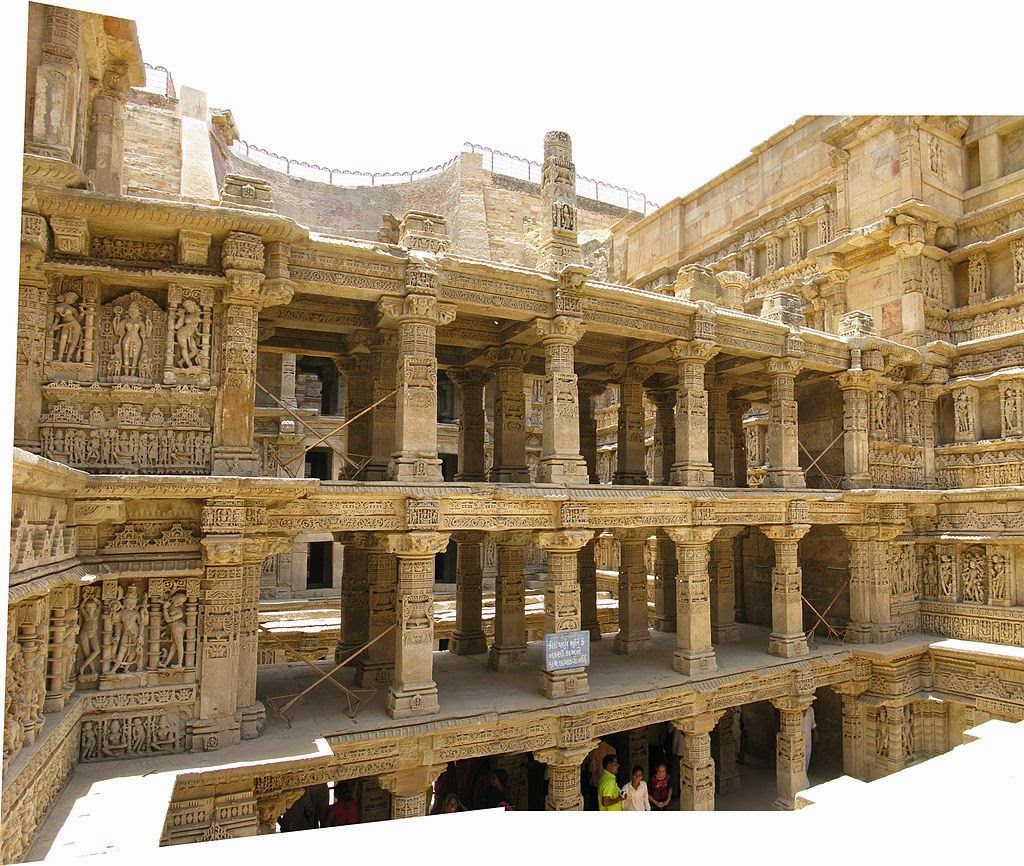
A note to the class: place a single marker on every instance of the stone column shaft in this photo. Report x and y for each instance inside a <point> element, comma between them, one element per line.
<point>560,460</point>
<point>694,655</point>
<point>631,467</point>
<point>634,635</point>
<point>783,436</point>
<point>562,604</point>
<point>376,666</point>
<point>383,361</point>
<point>509,417</point>
<point>408,789</point>
<point>288,379</point>
<point>724,628</point>
<point>587,574</point>
<point>696,766</point>
<point>865,553</point>
<point>468,637</point>
<point>787,638</point>
<point>666,573</point>
<point>725,761</point>
<point>563,775</point>
<point>471,424</point>
<point>856,387</point>
<point>790,751</point>
<point>721,436</point>
<point>588,427</point>
<point>355,600</point>
<point>854,738</point>
<point>692,468</point>
<point>105,149</point>
<point>509,647</point>
<point>664,435</point>
<point>414,692</point>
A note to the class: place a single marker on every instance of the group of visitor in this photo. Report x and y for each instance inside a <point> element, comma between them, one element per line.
<point>468,788</point>
<point>314,810</point>
<point>634,796</point>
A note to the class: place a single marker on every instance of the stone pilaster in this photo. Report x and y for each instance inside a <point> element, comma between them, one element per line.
<point>563,775</point>
<point>417,315</point>
<point>560,460</point>
<point>737,409</point>
<point>630,453</point>
<point>558,229</point>
<point>907,239</point>
<point>977,277</point>
<point>32,334</point>
<point>856,386</point>
<point>724,628</point>
<point>468,637</point>
<point>408,789</point>
<point>728,774</point>
<point>288,379</point>
<point>56,99</point>
<point>634,636</point>
<point>252,714</point>
<point>509,648</point>
<point>413,691</point>
<point>865,560</point>
<point>358,371</point>
<point>664,435</point>
<point>666,573</point>
<point>787,637</point>
<point>882,628</point>
<point>790,750</point>
<point>855,715</point>
<point>562,604</point>
<point>694,655</point>
<point>588,426</point>
<point>383,361</point>
<point>929,397</point>
<point>692,468</point>
<point>586,571</point>
<point>62,647</point>
<point>376,666</point>
<point>696,766</point>
<point>105,146</point>
<point>471,424</point>
<point>782,441</point>
<point>509,417</point>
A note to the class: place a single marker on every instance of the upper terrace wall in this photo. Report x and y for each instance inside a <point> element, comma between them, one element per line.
<point>152,145</point>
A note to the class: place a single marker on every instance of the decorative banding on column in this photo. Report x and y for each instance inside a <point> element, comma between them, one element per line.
<point>694,655</point>
<point>787,637</point>
<point>634,635</point>
<point>468,637</point>
<point>692,467</point>
<point>509,648</point>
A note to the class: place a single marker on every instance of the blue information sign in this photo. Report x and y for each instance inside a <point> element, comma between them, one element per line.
<point>565,650</point>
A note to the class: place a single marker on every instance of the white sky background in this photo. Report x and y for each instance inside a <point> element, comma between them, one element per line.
<point>657,97</point>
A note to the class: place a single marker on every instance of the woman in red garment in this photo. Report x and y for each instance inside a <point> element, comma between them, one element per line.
<point>344,810</point>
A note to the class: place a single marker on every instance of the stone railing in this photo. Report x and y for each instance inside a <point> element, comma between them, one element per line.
<point>998,316</point>
<point>997,463</point>
<point>896,465</point>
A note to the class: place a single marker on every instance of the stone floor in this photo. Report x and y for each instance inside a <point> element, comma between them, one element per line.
<point>89,816</point>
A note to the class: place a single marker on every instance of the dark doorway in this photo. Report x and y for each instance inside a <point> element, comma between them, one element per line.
<point>319,564</point>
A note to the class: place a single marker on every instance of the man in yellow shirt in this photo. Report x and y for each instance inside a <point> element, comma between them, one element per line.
<point>609,797</point>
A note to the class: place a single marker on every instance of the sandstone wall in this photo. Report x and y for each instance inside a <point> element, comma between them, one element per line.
<point>152,145</point>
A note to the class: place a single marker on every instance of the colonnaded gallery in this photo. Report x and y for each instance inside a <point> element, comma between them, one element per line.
<point>546,469</point>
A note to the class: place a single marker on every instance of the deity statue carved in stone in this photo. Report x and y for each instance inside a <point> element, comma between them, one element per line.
<point>973,576</point>
<point>187,323</point>
<point>132,332</point>
<point>174,617</point>
<point>89,631</point>
<point>68,329</point>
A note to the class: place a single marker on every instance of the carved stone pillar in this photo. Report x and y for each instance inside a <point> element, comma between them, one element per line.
<point>32,624</point>
<point>414,692</point>
<point>865,559</point>
<point>509,417</point>
<point>928,399</point>
<point>696,766</point>
<point>907,239</point>
<point>737,409</point>
<point>408,789</point>
<point>509,648</point>
<point>787,637</point>
<point>560,460</point>
<point>355,597</point>
<point>783,442</point>
<point>856,386</point>
<point>1011,405</point>
<point>694,655</point>
<point>252,714</point>
<point>664,435</point>
<point>105,147</point>
<point>242,256</point>
<point>288,379</point>
<point>733,286</point>
<point>630,453</point>
<point>855,762</point>
<point>468,637</point>
<point>790,750</point>
<point>728,774</point>
<point>62,647</point>
<point>588,426</point>
<point>417,315</point>
<point>562,604</point>
<point>358,373</point>
<point>558,228</point>
<point>32,334</point>
<point>692,468</point>
<point>586,570</point>
<point>563,775</point>
<point>383,362</point>
<point>724,628</point>
<point>223,524</point>
<point>471,424</point>
<point>882,628</point>
<point>666,573</point>
<point>634,636</point>
<point>376,666</point>
<point>55,120</point>
<point>720,432</point>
